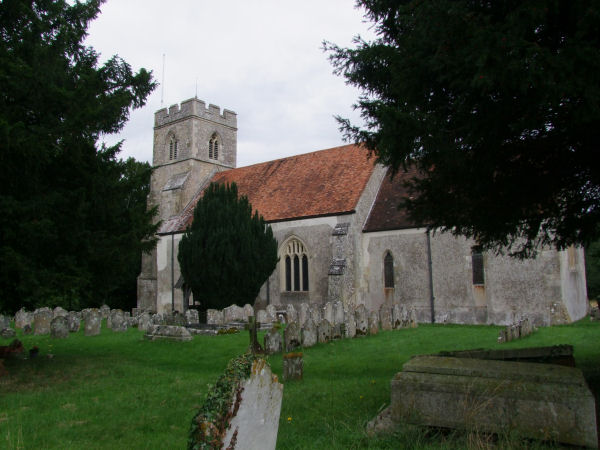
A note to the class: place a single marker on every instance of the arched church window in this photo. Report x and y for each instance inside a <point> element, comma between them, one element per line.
<point>295,269</point>
<point>173,148</point>
<point>477,266</point>
<point>213,147</point>
<point>388,270</point>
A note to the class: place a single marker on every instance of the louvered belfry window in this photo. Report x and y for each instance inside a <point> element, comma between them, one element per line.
<point>173,148</point>
<point>213,147</point>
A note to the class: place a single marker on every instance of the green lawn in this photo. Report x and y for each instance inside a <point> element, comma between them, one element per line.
<point>119,391</point>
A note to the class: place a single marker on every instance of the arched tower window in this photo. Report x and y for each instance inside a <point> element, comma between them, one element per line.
<point>173,147</point>
<point>213,147</point>
<point>295,268</point>
<point>388,270</point>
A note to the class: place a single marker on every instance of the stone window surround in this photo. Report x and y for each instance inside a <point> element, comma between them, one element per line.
<point>294,270</point>
<point>173,146</point>
<point>214,146</point>
<point>477,266</point>
<point>388,270</point>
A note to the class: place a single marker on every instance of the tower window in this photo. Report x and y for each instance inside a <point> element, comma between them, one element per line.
<point>295,269</point>
<point>213,147</point>
<point>173,144</point>
<point>388,270</point>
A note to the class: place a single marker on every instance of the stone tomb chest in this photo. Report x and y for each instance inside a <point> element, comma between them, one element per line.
<point>542,401</point>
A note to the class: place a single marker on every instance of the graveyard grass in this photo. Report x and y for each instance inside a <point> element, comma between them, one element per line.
<point>117,390</point>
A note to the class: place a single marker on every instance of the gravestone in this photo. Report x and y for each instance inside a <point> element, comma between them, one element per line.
<point>248,312</point>
<point>328,312</point>
<point>362,320</point>
<point>8,333</point>
<point>337,331</point>
<point>272,342</point>
<point>27,329</point>
<point>262,317</point>
<point>338,313</point>
<point>59,327</point>
<point>214,317</point>
<point>233,313</point>
<point>303,313</point>
<point>93,321</point>
<point>168,332</point>
<point>293,366</point>
<point>315,313</point>
<point>272,312</point>
<point>22,318</point>
<point>413,318</point>
<point>144,321</point>
<point>350,326</point>
<point>324,331</point>
<point>41,321</point>
<point>191,317</point>
<point>373,323</point>
<point>104,311</point>
<point>385,317</point>
<point>73,321</point>
<point>4,322</point>
<point>119,321</point>
<point>58,311</point>
<point>396,317</point>
<point>158,319</point>
<point>291,337</point>
<point>309,333</point>
<point>291,314</point>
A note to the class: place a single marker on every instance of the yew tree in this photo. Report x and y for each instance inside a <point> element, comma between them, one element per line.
<point>497,106</point>
<point>228,252</point>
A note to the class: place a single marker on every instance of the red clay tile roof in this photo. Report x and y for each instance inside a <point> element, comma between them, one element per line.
<point>385,214</point>
<point>326,182</point>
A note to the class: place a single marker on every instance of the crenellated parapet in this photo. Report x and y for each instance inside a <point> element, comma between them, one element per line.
<point>195,108</point>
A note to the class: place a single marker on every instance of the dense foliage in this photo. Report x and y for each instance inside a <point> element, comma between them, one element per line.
<point>592,270</point>
<point>497,106</point>
<point>72,215</point>
<point>227,253</point>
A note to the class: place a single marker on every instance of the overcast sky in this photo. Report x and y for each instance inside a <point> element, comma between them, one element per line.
<point>262,59</point>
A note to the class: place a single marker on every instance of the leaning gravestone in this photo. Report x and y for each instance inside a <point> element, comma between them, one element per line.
<point>272,341</point>
<point>59,327</point>
<point>41,321</point>
<point>362,321</point>
<point>324,331</point>
<point>93,321</point>
<point>309,333</point>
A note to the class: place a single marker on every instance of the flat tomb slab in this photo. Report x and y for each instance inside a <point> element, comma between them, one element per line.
<point>168,332</point>
<point>541,401</point>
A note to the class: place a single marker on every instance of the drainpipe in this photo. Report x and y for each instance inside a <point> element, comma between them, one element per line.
<point>172,272</point>
<point>430,265</point>
<point>268,291</point>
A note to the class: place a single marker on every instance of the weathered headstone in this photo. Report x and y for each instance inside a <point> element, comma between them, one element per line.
<point>396,317</point>
<point>158,319</point>
<point>59,327</point>
<point>104,311</point>
<point>303,313</point>
<point>309,333</point>
<point>362,320</point>
<point>293,366</point>
<point>324,331</point>
<point>262,317</point>
<point>168,332</point>
<point>413,318</point>
<point>272,342</point>
<point>41,321</point>
<point>58,311</point>
<point>291,314</point>
<point>291,337</point>
<point>22,318</point>
<point>27,329</point>
<point>214,317</point>
<point>73,321</point>
<point>233,313</point>
<point>339,315</point>
<point>373,322</point>
<point>119,321</point>
<point>248,312</point>
<point>175,318</point>
<point>4,322</point>
<point>191,317</point>
<point>385,317</point>
<point>93,321</point>
<point>272,312</point>
<point>144,321</point>
<point>350,326</point>
<point>315,313</point>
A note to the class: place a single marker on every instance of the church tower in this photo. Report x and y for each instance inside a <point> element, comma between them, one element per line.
<point>191,144</point>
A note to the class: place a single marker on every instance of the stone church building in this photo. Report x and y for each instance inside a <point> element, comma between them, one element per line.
<point>341,236</point>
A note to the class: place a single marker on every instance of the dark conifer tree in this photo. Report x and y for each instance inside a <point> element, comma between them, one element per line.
<point>228,252</point>
<point>72,215</point>
<point>496,104</point>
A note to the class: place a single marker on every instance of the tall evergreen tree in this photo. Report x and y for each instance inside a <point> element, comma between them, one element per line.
<point>497,105</point>
<point>227,253</point>
<point>71,214</point>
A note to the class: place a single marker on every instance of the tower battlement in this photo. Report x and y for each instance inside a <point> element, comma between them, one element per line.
<point>197,108</point>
